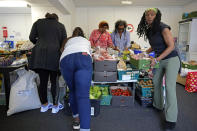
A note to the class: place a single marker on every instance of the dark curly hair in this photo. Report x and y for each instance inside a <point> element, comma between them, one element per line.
<point>120,23</point>
<point>143,28</point>
<point>78,32</point>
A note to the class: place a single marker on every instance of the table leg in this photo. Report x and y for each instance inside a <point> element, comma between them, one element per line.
<point>7,87</point>
<point>134,92</point>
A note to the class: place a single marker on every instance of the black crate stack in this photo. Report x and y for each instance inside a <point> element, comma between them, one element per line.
<point>144,92</point>
<point>105,71</point>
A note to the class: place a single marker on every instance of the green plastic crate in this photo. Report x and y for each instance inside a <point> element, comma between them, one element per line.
<point>106,100</point>
<point>140,64</point>
<point>189,66</point>
<point>193,14</point>
<point>133,73</point>
<point>193,67</point>
<point>185,65</point>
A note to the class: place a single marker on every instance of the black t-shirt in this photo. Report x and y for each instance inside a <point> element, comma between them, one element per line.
<point>157,41</point>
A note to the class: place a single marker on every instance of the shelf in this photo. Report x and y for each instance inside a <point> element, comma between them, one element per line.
<point>118,81</point>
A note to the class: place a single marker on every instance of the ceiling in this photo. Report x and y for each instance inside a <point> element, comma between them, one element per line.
<point>87,3</point>
<point>83,3</point>
<point>35,2</point>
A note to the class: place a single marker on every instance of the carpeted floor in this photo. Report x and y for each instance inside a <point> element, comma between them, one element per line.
<point>110,119</point>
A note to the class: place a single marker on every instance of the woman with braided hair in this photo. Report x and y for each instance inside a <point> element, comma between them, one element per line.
<point>161,41</point>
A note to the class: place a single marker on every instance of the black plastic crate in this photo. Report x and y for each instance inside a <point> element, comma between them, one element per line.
<point>95,107</point>
<point>106,65</point>
<point>122,101</point>
<point>143,101</point>
<point>105,76</point>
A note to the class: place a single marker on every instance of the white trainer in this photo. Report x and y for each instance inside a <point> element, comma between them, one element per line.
<point>61,106</point>
<point>46,108</point>
<point>55,109</point>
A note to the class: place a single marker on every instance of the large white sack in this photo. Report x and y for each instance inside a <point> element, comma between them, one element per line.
<point>24,95</point>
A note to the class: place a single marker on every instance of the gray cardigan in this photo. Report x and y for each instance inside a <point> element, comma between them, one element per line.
<point>48,36</point>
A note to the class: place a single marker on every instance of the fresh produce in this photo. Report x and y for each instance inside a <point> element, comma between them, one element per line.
<point>101,54</point>
<point>7,60</point>
<point>121,65</point>
<point>95,92</point>
<point>126,52</point>
<point>124,57</point>
<point>105,91</point>
<point>146,82</point>
<point>120,92</point>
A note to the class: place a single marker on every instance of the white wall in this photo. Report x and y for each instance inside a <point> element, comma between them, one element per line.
<point>69,5</point>
<point>39,12</point>
<point>17,21</point>
<point>66,18</point>
<point>88,18</point>
<point>191,7</point>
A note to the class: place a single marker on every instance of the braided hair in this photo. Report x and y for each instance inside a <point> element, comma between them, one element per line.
<point>143,28</point>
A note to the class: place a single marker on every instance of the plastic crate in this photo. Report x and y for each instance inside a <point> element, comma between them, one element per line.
<point>140,64</point>
<point>193,67</point>
<point>137,51</point>
<point>189,66</point>
<point>121,101</point>
<point>145,90</point>
<point>185,65</point>
<point>106,100</point>
<point>95,107</point>
<point>144,101</point>
<point>128,74</point>
<point>192,14</point>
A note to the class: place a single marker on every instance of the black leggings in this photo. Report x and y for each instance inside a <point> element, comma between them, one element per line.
<point>44,77</point>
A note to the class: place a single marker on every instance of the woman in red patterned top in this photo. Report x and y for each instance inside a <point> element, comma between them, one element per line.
<point>100,37</point>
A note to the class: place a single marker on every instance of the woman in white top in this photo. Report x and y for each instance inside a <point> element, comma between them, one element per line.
<point>76,68</point>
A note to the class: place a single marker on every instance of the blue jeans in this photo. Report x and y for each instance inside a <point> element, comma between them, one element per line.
<point>76,69</point>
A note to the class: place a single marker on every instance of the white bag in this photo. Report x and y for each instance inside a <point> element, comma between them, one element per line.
<point>24,95</point>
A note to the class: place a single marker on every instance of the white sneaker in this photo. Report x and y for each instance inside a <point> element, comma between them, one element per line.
<point>46,108</point>
<point>55,109</point>
<point>61,106</point>
<point>76,125</point>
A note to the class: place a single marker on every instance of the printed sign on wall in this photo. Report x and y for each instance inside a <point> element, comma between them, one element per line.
<point>130,28</point>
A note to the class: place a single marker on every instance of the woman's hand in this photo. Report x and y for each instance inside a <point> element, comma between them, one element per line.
<point>153,62</point>
<point>116,48</point>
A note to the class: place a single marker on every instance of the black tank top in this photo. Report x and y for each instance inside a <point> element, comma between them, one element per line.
<point>157,42</point>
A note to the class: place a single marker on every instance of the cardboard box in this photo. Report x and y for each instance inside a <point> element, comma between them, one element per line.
<point>105,76</point>
<point>181,80</point>
<point>105,65</point>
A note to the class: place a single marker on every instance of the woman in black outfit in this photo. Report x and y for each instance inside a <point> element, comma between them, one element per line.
<point>161,41</point>
<point>47,34</point>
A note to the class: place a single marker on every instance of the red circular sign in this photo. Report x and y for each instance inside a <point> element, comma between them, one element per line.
<point>130,27</point>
